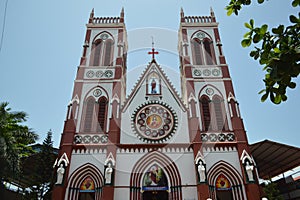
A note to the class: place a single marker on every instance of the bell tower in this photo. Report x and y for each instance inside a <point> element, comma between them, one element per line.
<point>215,123</point>
<point>93,117</point>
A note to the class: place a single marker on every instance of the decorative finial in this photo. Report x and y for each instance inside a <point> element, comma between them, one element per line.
<point>212,14</point>
<point>153,52</point>
<point>122,15</point>
<point>92,13</point>
<point>91,16</point>
<point>182,14</point>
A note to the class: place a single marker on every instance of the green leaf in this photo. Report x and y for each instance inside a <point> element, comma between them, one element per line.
<point>292,85</point>
<point>248,34</point>
<point>246,42</point>
<point>283,97</point>
<point>248,25</point>
<point>277,99</point>
<point>278,30</point>
<point>264,97</point>
<point>295,3</point>
<point>257,38</point>
<point>262,91</point>
<point>277,50</point>
<point>263,29</point>
<point>252,22</point>
<point>229,11</point>
<point>293,19</point>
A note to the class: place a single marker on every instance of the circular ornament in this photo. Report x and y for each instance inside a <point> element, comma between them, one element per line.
<point>209,91</point>
<point>90,74</point>
<point>99,74</point>
<point>200,35</point>
<point>97,93</point>
<point>230,137</point>
<point>197,72</point>
<point>216,72</point>
<point>108,73</point>
<point>154,122</point>
<point>206,72</point>
<point>104,36</point>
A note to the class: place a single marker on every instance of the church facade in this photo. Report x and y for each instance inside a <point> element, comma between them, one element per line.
<point>154,143</point>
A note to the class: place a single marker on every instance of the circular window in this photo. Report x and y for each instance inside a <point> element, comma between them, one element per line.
<point>154,122</point>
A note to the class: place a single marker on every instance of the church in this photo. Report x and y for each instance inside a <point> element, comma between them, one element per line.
<point>154,143</point>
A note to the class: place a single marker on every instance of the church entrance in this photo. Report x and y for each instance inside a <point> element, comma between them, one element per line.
<point>223,188</point>
<point>155,184</point>
<point>224,195</point>
<point>155,195</point>
<point>87,189</point>
<point>86,196</point>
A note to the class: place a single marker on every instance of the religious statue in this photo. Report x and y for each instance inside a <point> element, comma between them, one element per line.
<point>153,87</point>
<point>201,171</point>
<point>60,174</point>
<point>249,170</point>
<point>108,173</point>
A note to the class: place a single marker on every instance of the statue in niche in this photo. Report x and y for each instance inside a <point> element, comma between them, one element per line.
<point>108,173</point>
<point>201,172</point>
<point>60,174</point>
<point>249,170</point>
<point>153,87</point>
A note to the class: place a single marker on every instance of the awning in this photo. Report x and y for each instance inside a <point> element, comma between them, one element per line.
<point>274,158</point>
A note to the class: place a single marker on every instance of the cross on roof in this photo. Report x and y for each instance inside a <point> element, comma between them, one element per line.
<point>153,52</point>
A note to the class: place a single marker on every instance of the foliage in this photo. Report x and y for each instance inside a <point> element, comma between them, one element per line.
<point>38,169</point>
<point>271,191</point>
<point>14,141</point>
<point>279,51</point>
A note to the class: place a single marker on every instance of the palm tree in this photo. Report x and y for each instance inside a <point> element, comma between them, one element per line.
<point>14,141</point>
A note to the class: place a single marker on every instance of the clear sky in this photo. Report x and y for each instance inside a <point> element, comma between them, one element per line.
<point>42,45</point>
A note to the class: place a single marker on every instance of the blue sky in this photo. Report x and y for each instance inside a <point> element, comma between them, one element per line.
<point>43,43</point>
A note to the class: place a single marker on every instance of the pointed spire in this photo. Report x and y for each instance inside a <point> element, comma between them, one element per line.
<point>91,16</point>
<point>182,15</point>
<point>122,15</point>
<point>212,14</point>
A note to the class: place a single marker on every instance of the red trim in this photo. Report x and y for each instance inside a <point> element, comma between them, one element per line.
<point>81,173</point>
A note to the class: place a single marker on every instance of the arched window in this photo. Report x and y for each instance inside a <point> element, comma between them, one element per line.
<point>97,52</point>
<point>219,114</point>
<point>208,52</point>
<point>108,53</point>
<point>89,115</point>
<point>197,52</point>
<point>102,112</point>
<point>205,109</point>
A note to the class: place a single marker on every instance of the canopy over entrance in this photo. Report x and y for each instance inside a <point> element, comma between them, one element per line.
<point>274,158</point>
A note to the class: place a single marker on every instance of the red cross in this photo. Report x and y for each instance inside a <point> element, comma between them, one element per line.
<point>153,52</point>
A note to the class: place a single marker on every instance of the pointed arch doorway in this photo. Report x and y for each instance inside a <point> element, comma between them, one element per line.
<point>223,188</point>
<point>155,184</point>
<point>167,187</point>
<point>87,190</point>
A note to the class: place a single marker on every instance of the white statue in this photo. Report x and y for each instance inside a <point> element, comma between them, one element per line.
<point>201,171</point>
<point>249,170</point>
<point>108,173</point>
<point>60,174</point>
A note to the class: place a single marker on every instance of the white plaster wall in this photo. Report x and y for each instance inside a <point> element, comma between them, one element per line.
<point>231,157</point>
<point>128,135</point>
<point>79,159</point>
<point>184,161</point>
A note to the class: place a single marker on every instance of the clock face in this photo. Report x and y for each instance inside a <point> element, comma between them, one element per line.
<point>154,122</point>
